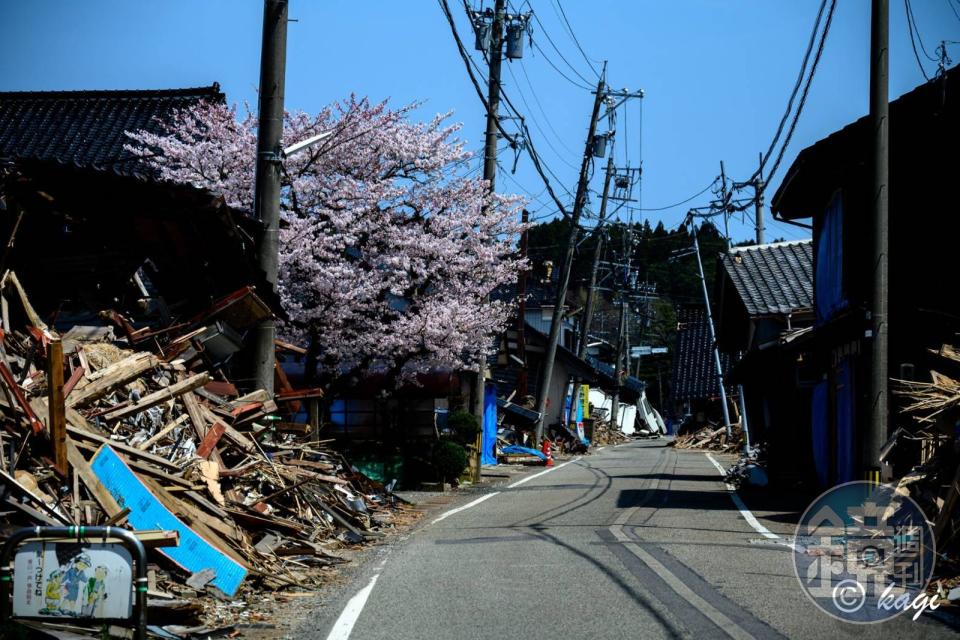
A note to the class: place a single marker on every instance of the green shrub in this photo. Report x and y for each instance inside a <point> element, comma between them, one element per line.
<point>449,459</point>
<point>464,426</point>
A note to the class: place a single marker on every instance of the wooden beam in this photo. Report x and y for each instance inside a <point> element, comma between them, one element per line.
<point>100,383</point>
<point>56,406</point>
<point>122,447</point>
<point>146,444</point>
<point>103,497</point>
<point>152,399</point>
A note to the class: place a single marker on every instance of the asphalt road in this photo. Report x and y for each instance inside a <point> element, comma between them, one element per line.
<point>635,541</point>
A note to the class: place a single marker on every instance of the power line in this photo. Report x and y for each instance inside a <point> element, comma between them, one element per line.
<point>586,58</point>
<point>535,122</point>
<point>553,44</point>
<point>793,94</point>
<point>693,197</point>
<point>913,39</point>
<point>557,69</point>
<point>806,90</point>
<point>536,98</point>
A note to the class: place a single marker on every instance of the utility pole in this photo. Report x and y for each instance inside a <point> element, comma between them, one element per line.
<point>617,360</point>
<point>522,379</point>
<point>273,60</point>
<point>556,321</point>
<point>758,187</point>
<point>876,433</point>
<point>591,289</point>
<point>494,60</point>
<point>713,335</point>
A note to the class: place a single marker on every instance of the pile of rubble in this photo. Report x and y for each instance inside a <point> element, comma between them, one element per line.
<point>930,445</point>
<point>226,496</point>
<point>604,434</point>
<point>712,438</point>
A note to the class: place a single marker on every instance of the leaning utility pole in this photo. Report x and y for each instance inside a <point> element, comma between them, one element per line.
<point>713,335</point>
<point>591,289</point>
<point>266,198</point>
<point>597,250</point>
<point>556,321</point>
<point>876,433</point>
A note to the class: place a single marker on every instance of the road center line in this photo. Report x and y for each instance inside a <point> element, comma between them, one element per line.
<point>712,613</point>
<point>545,471</point>
<point>474,503</point>
<point>351,613</point>
<point>747,515</point>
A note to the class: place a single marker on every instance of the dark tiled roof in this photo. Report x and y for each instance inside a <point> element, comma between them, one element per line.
<point>773,278</point>
<point>694,372</point>
<point>636,385</point>
<point>87,128</point>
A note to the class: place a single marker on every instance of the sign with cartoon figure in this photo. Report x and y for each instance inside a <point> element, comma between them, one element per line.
<point>68,579</point>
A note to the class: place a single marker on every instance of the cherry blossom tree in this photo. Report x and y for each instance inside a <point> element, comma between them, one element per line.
<point>387,251</point>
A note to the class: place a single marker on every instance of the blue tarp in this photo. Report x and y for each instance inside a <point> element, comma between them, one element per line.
<point>828,280</point>
<point>517,450</point>
<point>841,441</point>
<point>146,512</point>
<point>488,439</point>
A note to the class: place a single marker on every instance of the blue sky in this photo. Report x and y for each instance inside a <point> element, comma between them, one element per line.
<point>716,73</point>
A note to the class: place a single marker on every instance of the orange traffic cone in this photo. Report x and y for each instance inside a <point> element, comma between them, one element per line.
<point>548,451</point>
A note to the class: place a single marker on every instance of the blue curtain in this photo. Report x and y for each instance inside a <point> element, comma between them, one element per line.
<point>828,279</point>
<point>820,432</point>
<point>846,399</point>
<point>488,437</point>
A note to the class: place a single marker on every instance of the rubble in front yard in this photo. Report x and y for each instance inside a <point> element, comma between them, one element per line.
<point>229,499</point>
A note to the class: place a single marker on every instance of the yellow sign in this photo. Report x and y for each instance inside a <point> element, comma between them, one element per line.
<point>585,400</point>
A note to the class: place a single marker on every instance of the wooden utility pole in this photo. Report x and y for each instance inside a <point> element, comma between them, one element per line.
<point>522,379</point>
<point>594,270</point>
<point>617,362</point>
<point>876,433</point>
<point>494,60</point>
<point>556,322</point>
<point>273,60</point>
<point>758,187</point>
<point>57,405</point>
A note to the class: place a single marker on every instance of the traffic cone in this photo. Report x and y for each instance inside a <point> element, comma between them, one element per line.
<point>548,451</point>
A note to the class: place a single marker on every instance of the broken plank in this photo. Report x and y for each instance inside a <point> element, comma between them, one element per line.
<point>103,497</point>
<point>209,442</point>
<point>146,444</point>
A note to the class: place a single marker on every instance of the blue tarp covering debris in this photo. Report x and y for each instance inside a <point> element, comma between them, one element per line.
<point>488,441</point>
<point>518,450</point>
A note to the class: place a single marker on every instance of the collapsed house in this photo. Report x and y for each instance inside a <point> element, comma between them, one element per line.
<point>126,302</point>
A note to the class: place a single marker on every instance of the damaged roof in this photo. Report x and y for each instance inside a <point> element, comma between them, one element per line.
<point>88,128</point>
<point>772,279</point>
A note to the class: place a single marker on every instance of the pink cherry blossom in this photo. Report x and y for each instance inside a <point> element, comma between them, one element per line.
<point>387,252</point>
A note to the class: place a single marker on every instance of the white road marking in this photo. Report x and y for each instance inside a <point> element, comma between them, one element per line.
<point>747,515</point>
<point>351,613</point>
<point>545,471</point>
<point>712,613</point>
<point>447,514</point>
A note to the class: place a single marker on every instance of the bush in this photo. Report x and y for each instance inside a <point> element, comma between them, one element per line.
<point>464,426</point>
<point>449,459</point>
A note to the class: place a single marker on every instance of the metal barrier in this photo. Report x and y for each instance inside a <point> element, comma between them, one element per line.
<point>79,534</point>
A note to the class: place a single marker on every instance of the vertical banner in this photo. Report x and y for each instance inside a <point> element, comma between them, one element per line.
<point>584,401</point>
